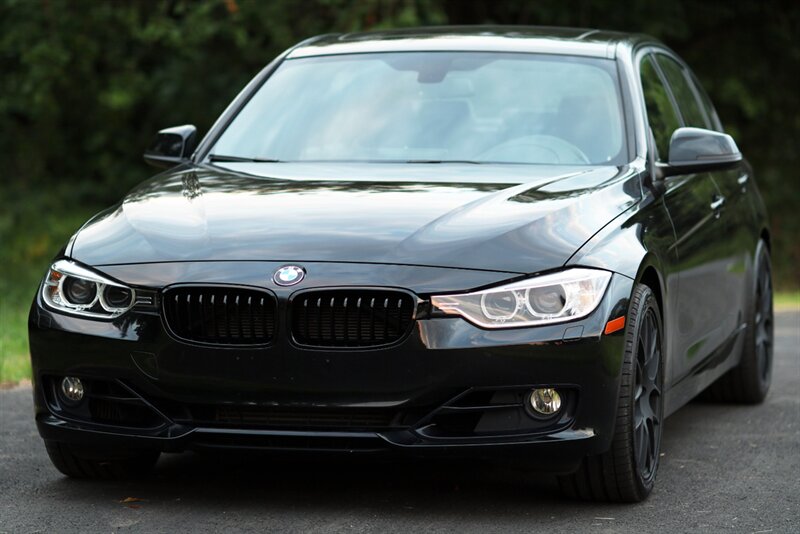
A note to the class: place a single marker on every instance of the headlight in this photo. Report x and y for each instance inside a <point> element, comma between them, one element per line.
<point>547,299</point>
<point>73,289</point>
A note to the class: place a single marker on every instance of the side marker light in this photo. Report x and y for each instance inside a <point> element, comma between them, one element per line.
<point>615,325</point>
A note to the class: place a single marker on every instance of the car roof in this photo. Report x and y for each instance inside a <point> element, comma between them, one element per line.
<point>537,39</point>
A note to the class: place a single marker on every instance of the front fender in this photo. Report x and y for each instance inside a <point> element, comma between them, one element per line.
<point>640,245</point>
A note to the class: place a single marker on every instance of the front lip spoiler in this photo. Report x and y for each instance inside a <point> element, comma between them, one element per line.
<point>174,438</point>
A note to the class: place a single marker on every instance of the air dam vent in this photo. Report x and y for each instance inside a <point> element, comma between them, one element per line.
<point>282,417</point>
<point>351,318</point>
<point>220,315</point>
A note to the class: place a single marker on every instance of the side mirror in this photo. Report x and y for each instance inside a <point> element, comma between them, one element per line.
<point>172,146</point>
<point>697,150</point>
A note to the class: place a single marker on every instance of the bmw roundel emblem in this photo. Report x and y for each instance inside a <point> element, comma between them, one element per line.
<point>289,275</point>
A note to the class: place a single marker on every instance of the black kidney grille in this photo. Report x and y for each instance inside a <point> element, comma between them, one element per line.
<point>351,317</point>
<point>220,315</point>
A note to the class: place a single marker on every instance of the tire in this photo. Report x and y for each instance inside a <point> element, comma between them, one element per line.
<point>749,381</point>
<point>627,471</point>
<point>83,463</point>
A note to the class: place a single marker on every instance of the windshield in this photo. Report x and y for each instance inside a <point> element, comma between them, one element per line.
<point>433,107</point>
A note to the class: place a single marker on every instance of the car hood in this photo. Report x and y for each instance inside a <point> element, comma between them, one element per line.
<point>510,218</point>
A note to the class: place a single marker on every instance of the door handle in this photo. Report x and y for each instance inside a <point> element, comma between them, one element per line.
<point>717,204</point>
<point>742,180</point>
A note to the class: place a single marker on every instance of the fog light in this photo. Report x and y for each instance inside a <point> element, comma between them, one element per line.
<point>545,401</point>
<point>72,389</point>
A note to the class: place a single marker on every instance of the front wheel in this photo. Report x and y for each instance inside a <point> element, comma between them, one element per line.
<point>627,471</point>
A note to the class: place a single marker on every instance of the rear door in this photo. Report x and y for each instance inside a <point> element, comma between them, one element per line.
<point>692,201</point>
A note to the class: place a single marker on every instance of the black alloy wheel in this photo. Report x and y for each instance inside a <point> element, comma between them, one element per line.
<point>647,423</point>
<point>626,472</point>
<point>764,322</point>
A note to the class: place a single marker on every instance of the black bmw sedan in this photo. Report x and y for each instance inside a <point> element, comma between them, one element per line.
<point>521,242</point>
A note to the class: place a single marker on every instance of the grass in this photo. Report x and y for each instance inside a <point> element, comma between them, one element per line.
<point>787,300</point>
<point>17,293</point>
<point>31,232</point>
<point>14,362</point>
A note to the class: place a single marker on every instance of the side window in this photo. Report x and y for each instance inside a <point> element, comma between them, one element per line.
<point>705,102</point>
<point>685,97</point>
<point>660,113</point>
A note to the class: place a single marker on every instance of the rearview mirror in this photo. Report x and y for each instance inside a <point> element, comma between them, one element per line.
<point>697,149</point>
<point>172,146</point>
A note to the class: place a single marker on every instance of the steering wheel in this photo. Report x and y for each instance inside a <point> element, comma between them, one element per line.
<point>536,149</point>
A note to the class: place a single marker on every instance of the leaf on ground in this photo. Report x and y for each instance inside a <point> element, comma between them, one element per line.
<point>131,499</point>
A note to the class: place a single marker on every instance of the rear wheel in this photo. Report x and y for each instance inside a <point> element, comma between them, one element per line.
<point>627,471</point>
<point>86,463</point>
<point>749,381</point>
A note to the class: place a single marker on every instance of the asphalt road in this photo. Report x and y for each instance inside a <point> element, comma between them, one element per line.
<point>725,468</point>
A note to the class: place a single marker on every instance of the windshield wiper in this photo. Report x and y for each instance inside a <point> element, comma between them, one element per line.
<point>231,159</point>
<point>470,162</point>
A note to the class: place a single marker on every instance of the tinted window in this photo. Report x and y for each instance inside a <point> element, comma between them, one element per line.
<point>705,102</point>
<point>660,112</point>
<point>682,91</point>
<point>442,106</point>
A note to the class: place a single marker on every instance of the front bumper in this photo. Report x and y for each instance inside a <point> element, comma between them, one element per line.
<point>449,387</point>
